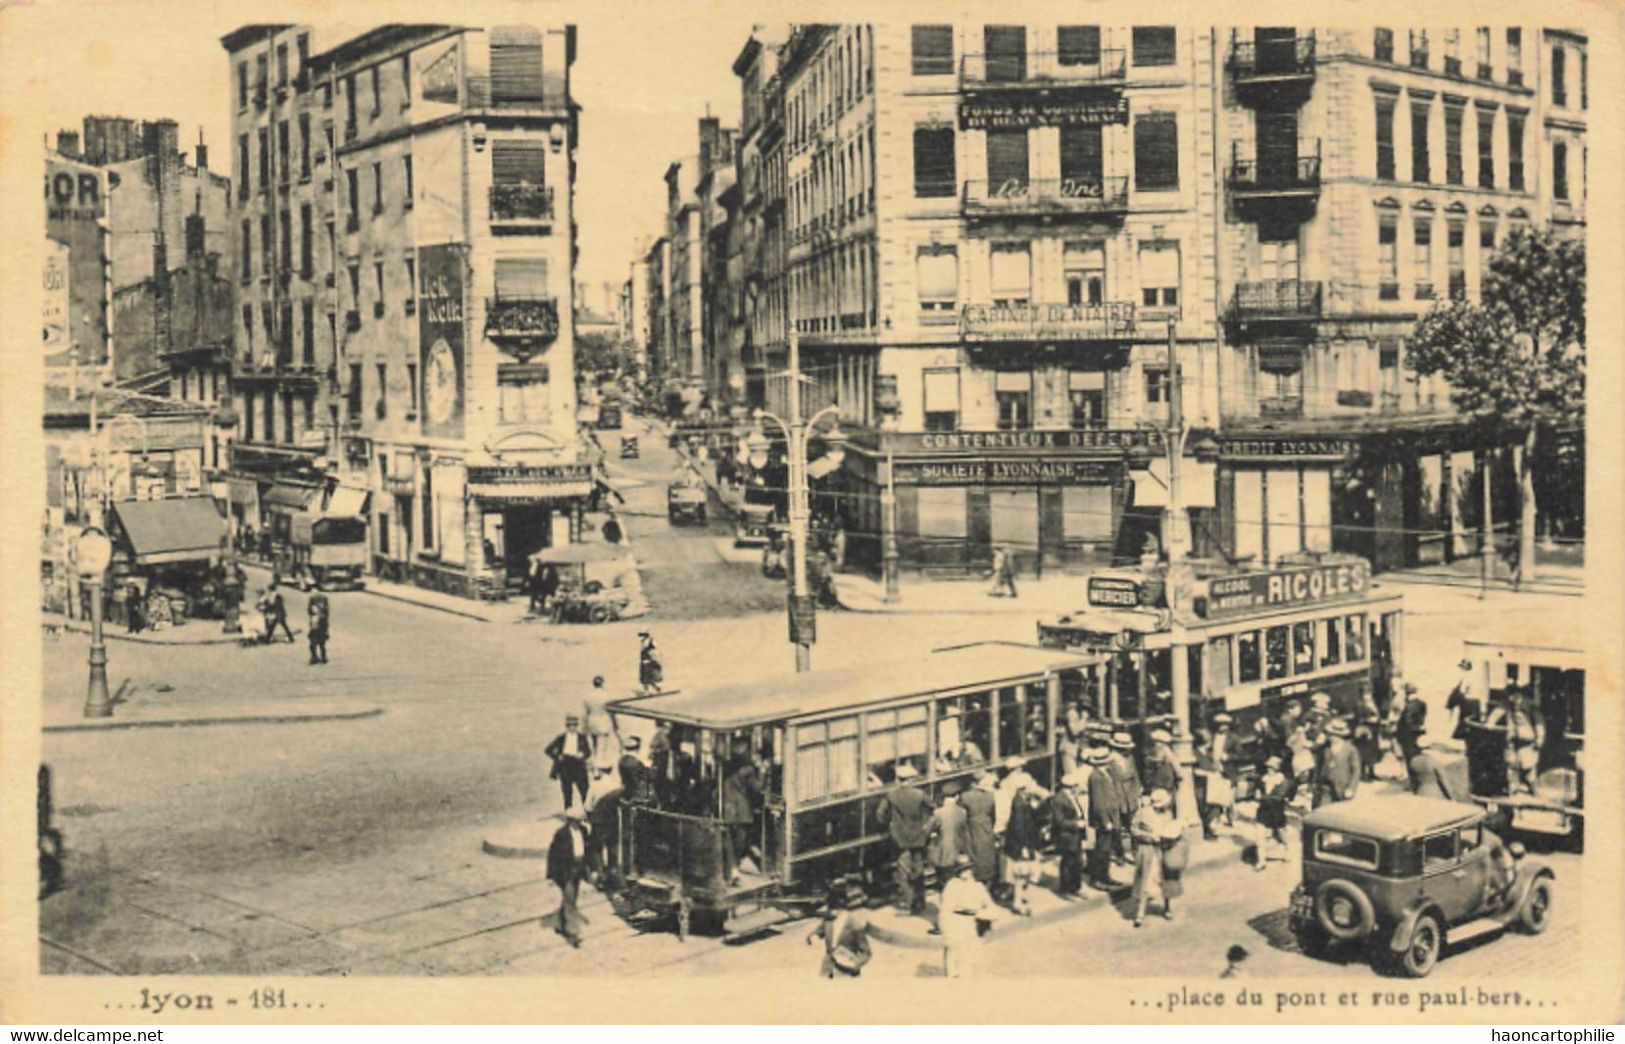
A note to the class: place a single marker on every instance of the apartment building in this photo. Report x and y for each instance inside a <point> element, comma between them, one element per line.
<point>406,237</point>
<point>685,298</point>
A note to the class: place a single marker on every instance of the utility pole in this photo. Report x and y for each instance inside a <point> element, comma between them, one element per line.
<point>796,447</point>
<point>1177,544</point>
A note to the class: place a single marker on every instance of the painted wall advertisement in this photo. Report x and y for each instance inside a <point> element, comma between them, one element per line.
<point>75,209</point>
<point>440,326</point>
<point>56,298</point>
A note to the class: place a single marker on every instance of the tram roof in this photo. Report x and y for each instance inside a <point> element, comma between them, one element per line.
<point>786,697</point>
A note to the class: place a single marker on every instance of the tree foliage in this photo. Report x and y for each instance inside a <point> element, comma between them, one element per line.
<point>1517,358</point>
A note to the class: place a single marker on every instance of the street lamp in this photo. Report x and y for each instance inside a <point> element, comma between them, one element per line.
<point>93,552</point>
<point>796,438</point>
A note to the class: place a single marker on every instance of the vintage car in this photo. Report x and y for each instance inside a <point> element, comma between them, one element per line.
<point>598,583</point>
<point>629,447</point>
<point>1405,875</point>
<point>685,501</point>
<point>609,417</point>
<point>753,525</point>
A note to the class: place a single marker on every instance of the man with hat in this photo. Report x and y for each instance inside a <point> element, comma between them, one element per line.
<point>1412,724</point>
<point>1128,784</point>
<point>569,861</point>
<point>981,843</point>
<point>650,669</point>
<point>1161,770</point>
<point>569,753</point>
<point>1068,818</point>
<point>1339,765</point>
<point>1016,779</point>
<point>906,811</point>
<point>946,844</point>
<point>1105,809</point>
<point>1466,699</point>
<point>636,777</point>
<point>845,931</point>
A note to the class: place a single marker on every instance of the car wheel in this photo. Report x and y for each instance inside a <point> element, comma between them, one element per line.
<point>1421,951</point>
<point>1536,911</point>
<point>1343,910</point>
<point>1312,940</point>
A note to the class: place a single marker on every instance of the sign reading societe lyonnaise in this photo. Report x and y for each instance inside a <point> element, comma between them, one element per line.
<point>1283,588</point>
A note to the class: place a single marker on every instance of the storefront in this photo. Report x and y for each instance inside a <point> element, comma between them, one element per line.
<point>516,510</point>
<point>165,552</point>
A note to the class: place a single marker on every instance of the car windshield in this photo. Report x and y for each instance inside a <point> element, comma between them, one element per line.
<point>1334,846</point>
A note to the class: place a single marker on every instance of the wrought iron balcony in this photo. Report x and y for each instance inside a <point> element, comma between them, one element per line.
<point>1281,406</point>
<point>1276,300</point>
<point>1257,62</point>
<point>1276,186</point>
<point>522,204</point>
<point>1041,69</point>
<point>522,319</point>
<point>1045,196</point>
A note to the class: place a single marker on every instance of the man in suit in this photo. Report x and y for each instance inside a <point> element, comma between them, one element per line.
<point>569,753</point>
<point>1128,784</point>
<point>1105,817</point>
<point>980,842</point>
<point>946,833</point>
<point>740,792</point>
<point>1067,820</point>
<point>906,811</point>
<point>320,617</point>
<point>636,778</point>
<point>1339,766</point>
<point>569,861</point>
<point>1412,723</point>
<point>1161,770</point>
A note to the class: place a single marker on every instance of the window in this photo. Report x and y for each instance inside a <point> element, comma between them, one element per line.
<point>1159,274</point>
<point>1388,258</point>
<point>895,737</point>
<point>1004,55</point>
<point>406,189</point>
<point>935,175</point>
<point>1081,161</point>
<point>964,723</point>
<point>242,85</point>
<point>267,247</point>
<point>942,404</point>
<point>1452,144</point>
<point>263,139</point>
<point>352,186</point>
<point>1154,45</point>
<point>406,81</point>
<point>1078,44</point>
<point>1303,647</point>
<point>1084,265</point>
<point>1385,137</point>
<point>248,251</point>
<point>285,241</point>
<point>1248,663</point>
<point>1515,150</point>
<point>1486,148</point>
<point>1086,398</point>
<point>1156,385</point>
<point>1011,274</point>
<point>827,759</point>
<point>1421,109</point>
<point>283,152</point>
<point>307,316</point>
<point>242,166</point>
<point>1006,162</point>
<point>304,52</point>
<point>282,65</point>
<point>1560,86</point>
<point>377,91</point>
<point>523,393</point>
<point>1013,392</point>
<point>1331,641</point>
<point>304,147</point>
<point>353,392</point>
<point>933,50</point>
<point>1275,653</point>
<point>1382,45</point>
<point>1439,851</point>
<point>1486,247</point>
<point>350,104</point>
<point>411,286</point>
<point>1337,847</point>
<point>1560,170</point>
<point>412,392</point>
<point>248,326</point>
<point>1387,374</point>
<point>937,271</point>
<point>307,265</point>
<point>1515,56</point>
<point>1422,257</point>
<point>1456,259</point>
<point>521,278</point>
<point>1482,51</point>
<point>1354,635</point>
<point>1156,153</point>
<point>377,188</point>
<point>1585,92</point>
<point>1419,48</point>
<point>378,286</point>
<point>354,270</point>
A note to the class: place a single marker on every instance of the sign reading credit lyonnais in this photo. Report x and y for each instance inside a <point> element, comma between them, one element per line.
<point>1284,588</point>
<point>1009,109</point>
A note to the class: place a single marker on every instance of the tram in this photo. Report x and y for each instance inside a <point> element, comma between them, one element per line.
<point>1241,641</point>
<point>815,755</point>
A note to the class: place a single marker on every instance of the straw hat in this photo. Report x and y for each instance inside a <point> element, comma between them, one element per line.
<point>1161,736</point>
<point>1160,798</point>
<point>1122,741</point>
<point>1337,727</point>
<point>1014,762</point>
<point>1098,756</point>
<point>906,771</point>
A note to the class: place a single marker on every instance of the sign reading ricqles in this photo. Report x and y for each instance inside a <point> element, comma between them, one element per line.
<point>1279,588</point>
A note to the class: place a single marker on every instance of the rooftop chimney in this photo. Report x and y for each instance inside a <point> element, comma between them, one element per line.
<point>202,151</point>
<point>67,142</point>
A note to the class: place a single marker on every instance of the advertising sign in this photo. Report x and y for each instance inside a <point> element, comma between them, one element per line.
<point>1078,107</point>
<point>439,77</point>
<point>1049,321</point>
<point>1114,592</point>
<point>75,212</point>
<point>57,338</point>
<point>1030,472</point>
<point>1275,448</point>
<point>1284,588</point>
<point>440,326</point>
<point>980,442</point>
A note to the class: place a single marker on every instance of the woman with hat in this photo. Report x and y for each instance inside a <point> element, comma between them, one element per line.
<point>1275,791</point>
<point>1465,699</point>
<point>965,903</point>
<point>650,670</point>
<point>845,931</point>
<point>1155,832</point>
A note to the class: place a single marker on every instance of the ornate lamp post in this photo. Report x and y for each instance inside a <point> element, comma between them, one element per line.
<point>93,552</point>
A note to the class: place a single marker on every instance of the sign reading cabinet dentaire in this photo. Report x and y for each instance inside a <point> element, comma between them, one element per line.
<point>440,327</point>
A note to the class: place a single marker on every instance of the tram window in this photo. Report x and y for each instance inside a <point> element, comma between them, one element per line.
<point>1159,672</point>
<point>1355,646</point>
<point>1218,665</point>
<point>1012,719</point>
<point>1331,641</point>
<point>963,729</point>
<point>1247,663</point>
<point>1193,670</point>
<point>880,747</point>
<point>1275,653</point>
<point>1303,647</point>
<point>812,762</point>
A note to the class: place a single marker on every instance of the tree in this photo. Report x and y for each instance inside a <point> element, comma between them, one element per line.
<point>1515,361</point>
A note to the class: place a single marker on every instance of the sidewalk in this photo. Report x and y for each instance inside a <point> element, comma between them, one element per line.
<point>192,632</point>
<point>140,714</point>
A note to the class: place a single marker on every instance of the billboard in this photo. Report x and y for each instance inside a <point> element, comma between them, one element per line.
<point>441,344</point>
<point>75,219</point>
<point>56,298</point>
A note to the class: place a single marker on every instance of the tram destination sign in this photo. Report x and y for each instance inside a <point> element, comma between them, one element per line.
<point>1230,596</point>
<point>1114,592</point>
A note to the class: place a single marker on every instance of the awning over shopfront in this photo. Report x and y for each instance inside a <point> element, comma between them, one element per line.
<point>243,491</point>
<point>530,482</point>
<point>180,530</point>
<point>348,500</point>
<point>288,498</point>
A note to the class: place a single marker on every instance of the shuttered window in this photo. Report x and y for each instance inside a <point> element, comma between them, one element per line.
<point>1078,44</point>
<point>516,64</point>
<point>934,172</point>
<point>933,50</point>
<point>513,162</point>
<point>1006,57</point>
<point>1156,153</point>
<point>521,277</point>
<point>1006,159</point>
<point>1081,155</point>
<point>1153,45</point>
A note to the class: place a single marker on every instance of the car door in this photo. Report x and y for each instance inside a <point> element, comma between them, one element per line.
<point>1444,879</point>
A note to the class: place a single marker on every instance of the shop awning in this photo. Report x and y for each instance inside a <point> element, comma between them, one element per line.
<point>348,500</point>
<point>288,498</point>
<point>180,530</point>
<point>243,491</point>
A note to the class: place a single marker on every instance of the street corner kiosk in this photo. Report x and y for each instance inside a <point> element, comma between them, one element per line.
<point>1243,641</point>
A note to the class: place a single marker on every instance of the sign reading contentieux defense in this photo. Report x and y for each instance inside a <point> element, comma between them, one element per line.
<point>1077,107</point>
<point>440,327</point>
<point>1284,588</point>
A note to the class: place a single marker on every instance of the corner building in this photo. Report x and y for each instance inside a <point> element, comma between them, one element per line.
<point>422,345</point>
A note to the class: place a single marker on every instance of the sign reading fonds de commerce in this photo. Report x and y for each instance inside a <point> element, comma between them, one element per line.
<point>1077,107</point>
<point>1284,588</point>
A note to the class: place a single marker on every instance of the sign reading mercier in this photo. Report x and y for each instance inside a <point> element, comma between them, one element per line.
<point>1282,588</point>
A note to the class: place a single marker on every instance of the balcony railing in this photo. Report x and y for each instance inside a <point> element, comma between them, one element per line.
<point>1281,406</point>
<point>1046,196</point>
<point>521,203</point>
<point>1274,175</point>
<point>1273,60</point>
<point>1276,299</point>
<point>1042,69</point>
<point>481,92</point>
<point>529,318</point>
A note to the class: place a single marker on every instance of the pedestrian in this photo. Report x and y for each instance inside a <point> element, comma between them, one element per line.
<point>1412,724</point>
<point>571,753</point>
<point>279,614</point>
<point>320,618</point>
<point>1105,809</point>
<point>1276,790</point>
<point>262,606</point>
<point>1525,727</point>
<point>606,753</point>
<point>660,763</point>
<point>135,609</point>
<point>612,528</point>
<point>980,840</point>
<point>1221,789</point>
<point>905,811</point>
<point>1155,833</point>
<point>1004,581</point>
<point>636,778</point>
<point>945,844</point>
<point>1466,699</point>
<point>837,543</point>
<point>650,670</point>
<point>1016,779</point>
<point>569,861</point>
<point>604,829</point>
<point>1368,738</point>
<point>845,932</point>
<point>1023,844</point>
<point>1068,819</point>
<point>966,906</point>
<point>1161,770</point>
<point>1128,785</point>
<point>741,792</point>
<point>1340,765</point>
